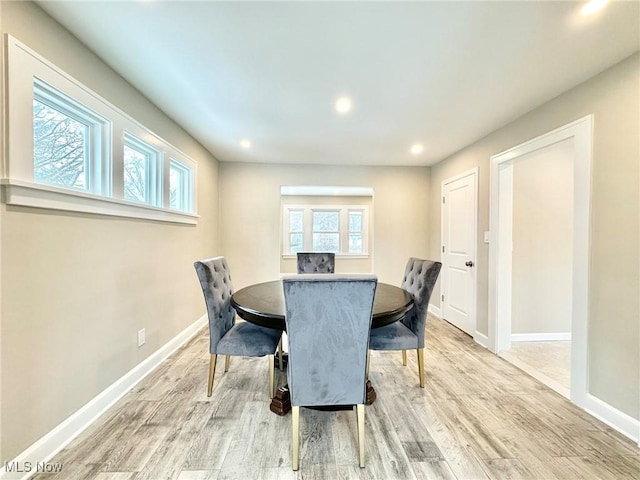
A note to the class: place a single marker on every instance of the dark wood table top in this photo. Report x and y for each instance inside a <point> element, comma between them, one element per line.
<point>263,304</point>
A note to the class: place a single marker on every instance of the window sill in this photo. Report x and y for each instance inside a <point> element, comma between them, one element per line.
<point>29,194</point>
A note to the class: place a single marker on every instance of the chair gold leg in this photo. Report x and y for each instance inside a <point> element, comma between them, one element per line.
<point>421,366</point>
<point>227,361</point>
<point>360,412</point>
<point>212,372</point>
<point>368,361</point>
<point>295,438</point>
<point>280,354</point>
<point>272,374</point>
<point>404,358</point>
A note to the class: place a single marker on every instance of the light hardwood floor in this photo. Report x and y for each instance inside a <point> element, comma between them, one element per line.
<point>549,362</point>
<point>479,417</point>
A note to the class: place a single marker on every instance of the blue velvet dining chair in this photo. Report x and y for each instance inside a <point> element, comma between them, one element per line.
<point>226,337</point>
<point>420,276</point>
<point>316,262</point>
<point>328,320</point>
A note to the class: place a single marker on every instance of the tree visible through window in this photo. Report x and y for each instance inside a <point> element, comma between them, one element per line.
<point>355,231</point>
<point>296,230</point>
<point>180,186</point>
<point>142,171</point>
<point>340,229</point>
<point>60,147</point>
<point>136,165</point>
<point>326,231</point>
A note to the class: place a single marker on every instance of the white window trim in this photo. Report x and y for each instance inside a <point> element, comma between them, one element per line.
<point>153,170</point>
<point>97,170</point>
<point>308,232</point>
<point>187,196</point>
<point>23,67</point>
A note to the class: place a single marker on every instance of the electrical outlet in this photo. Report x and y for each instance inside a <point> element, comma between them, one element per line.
<point>142,337</point>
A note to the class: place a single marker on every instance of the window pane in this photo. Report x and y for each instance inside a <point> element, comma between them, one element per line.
<point>295,221</point>
<point>326,221</point>
<point>355,243</point>
<point>355,222</point>
<point>60,148</point>
<point>326,242</point>
<point>295,242</point>
<point>136,164</point>
<point>176,195</point>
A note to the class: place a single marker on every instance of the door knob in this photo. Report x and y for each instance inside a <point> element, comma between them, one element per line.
<point>469,263</point>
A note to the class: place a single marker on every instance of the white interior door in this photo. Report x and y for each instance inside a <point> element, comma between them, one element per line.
<point>459,237</point>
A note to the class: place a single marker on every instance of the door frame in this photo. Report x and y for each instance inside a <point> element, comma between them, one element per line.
<point>501,244</point>
<point>474,248</point>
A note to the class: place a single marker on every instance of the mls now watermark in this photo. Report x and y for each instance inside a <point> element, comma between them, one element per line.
<point>28,467</point>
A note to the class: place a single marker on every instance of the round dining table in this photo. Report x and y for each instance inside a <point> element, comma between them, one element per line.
<point>263,304</point>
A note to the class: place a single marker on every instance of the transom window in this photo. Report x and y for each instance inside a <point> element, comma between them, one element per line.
<point>141,171</point>
<point>180,186</point>
<point>67,139</point>
<point>338,229</point>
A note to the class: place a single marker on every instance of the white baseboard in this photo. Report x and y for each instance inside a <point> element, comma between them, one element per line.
<point>481,339</point>
<point>623,423</point>
<point>54,441</point>
<point>540,337</point>
<point>435,310</point>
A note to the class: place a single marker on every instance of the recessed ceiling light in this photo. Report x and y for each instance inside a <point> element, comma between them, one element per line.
<point>343,104</point>
<point>417,148</point>
<point>246,144</point>
<point>593,6</point>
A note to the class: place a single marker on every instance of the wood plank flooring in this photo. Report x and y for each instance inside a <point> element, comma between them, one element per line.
<point>550,361</point>
<point>479,417</point>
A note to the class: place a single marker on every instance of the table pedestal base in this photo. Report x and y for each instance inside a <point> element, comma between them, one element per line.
<point>281,403</point>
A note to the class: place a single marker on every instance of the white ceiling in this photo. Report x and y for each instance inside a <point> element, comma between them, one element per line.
<point>441,73</point>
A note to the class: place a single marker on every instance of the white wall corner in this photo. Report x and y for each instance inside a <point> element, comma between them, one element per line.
<point>54,441</point>
<point>620,421</point>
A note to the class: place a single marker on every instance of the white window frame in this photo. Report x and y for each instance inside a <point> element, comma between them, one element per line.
<point>153,170</point>
<point>27,71</point>
<point>308,228</point>
<point>97,165</point>
<point>362,232</point>
<point>185,203</point>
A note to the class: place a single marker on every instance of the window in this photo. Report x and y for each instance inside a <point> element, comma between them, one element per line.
<point>180,186</point>
<point>140,171</point>
<point>338,229</point>
<point>326,231</point>
<point>69,149</point>
<point>60,147</point>
<point>355,231</point>
<point>67,141</point>
<point>296,231</point>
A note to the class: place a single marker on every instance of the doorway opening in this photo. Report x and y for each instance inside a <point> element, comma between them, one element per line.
<point>538,263</point>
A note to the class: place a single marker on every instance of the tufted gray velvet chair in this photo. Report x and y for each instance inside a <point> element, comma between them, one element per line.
<point>316,262</point>
<point>328,320</point>
<point>419,279</point>
<point>226,337</point>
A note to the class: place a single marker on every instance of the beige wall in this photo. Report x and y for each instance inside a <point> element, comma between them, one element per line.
<point>614,337</point>
<point>250,218</point>
<point>542,258</point>
<point>76,288</point>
